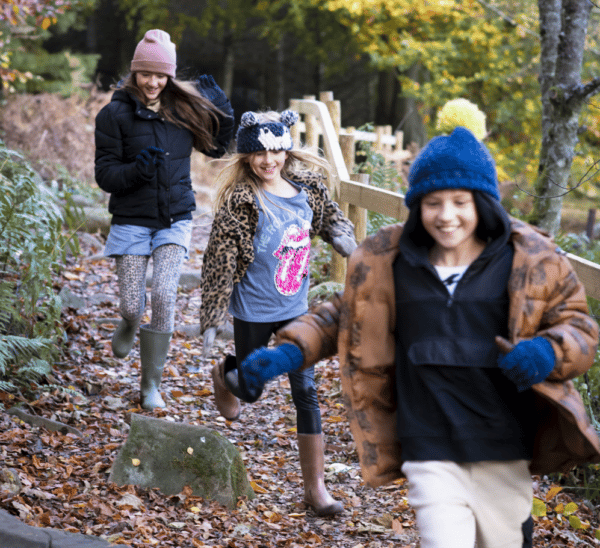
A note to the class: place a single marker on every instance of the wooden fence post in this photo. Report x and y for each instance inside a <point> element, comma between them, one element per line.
<point>338,263</point>
<point>378,138</point>
<point>334,107</point>
<point>399,140</point>
<point>358,215</point>
<point>295,129</point>
<point>311,135</point>
<point>387,130</point>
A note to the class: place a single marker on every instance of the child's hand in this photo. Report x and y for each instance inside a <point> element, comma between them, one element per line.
<point>264,364</point>
<point>148,160</point>
<point>344,245</point>
<point>208,340</point>
<point>528,362</point>
<point>211,90</point>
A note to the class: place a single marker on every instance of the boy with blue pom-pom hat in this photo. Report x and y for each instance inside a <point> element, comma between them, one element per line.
<point>458,334</point>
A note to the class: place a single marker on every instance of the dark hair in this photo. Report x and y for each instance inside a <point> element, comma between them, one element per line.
<point>183,105</point>
<point>493,221</point>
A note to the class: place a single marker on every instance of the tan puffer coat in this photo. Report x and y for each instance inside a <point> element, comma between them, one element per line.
<point>546,299</point>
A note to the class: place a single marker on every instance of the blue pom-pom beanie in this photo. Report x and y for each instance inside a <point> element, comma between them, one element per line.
<point>254,136</point>
<point>455,161</point>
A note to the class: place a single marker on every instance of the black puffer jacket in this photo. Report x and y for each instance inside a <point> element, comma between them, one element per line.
<point>124,128</point>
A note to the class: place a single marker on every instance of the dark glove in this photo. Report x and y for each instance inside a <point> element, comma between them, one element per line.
<point>210,89</point>
<point>148,160</point>
<point>264,364</point>
<point>344,245</point>
<point>528,362</point>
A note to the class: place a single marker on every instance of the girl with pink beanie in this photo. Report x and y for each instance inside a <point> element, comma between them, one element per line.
<point>144,140</point>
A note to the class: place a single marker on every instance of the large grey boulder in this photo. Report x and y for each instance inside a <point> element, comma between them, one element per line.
<point>96,219</point>
<point>170,455</point>
<point>15,534</point>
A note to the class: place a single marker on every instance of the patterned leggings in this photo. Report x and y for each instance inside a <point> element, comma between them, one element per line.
<point>131,271</point>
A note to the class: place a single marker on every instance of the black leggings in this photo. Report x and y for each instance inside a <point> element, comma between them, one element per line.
<point>249,336</point>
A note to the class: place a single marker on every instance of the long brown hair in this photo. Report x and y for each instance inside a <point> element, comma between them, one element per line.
<point>183,105</point>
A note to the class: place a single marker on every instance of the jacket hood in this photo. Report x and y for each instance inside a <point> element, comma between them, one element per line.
<point>494,227</point>
<point>123,96</point>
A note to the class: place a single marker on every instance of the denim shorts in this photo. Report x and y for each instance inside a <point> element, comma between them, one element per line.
<point>141,240</point>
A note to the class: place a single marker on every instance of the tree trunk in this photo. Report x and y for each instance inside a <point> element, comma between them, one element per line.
<point>228,66</point>
<point>273,79</point>
<point>410,121</point>
<point>563,29</point>
<point>388,91</point>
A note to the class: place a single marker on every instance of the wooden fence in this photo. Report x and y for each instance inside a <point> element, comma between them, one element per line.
<point>322,123</point>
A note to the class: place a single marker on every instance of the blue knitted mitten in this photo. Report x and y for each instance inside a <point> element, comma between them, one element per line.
<point>528,363</point>
<point>148,160</point>
<point>264,364</point>
<point>211,90</point>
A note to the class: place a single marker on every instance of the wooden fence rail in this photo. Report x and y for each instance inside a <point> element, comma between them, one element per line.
<point>322,119</point>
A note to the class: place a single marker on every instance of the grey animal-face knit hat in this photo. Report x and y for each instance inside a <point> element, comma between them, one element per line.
<point>253,136</point>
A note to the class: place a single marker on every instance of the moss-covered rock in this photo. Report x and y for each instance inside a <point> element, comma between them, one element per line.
<point>170,455</point>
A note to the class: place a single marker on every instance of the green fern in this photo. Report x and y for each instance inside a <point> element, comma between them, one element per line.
<point>33,249</point>
<point>382,174</point>
<point>23,360</point>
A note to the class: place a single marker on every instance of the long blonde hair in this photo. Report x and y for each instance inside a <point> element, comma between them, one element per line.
<point>183,105</point>
<point>237,170</point>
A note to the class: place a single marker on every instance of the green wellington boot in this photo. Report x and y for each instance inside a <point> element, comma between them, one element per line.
<point>123,337</point>
<point>154,346</point>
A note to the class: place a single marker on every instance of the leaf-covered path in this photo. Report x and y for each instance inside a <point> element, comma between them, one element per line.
<point>64,476</point>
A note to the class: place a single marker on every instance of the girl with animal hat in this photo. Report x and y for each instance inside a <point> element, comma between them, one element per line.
<point>256,266</point>
<point>144,140</point>
<point>458,334</point>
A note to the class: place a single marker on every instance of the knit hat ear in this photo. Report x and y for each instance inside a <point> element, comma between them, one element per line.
<point>254,136</point>
<point>456,161</point>
<point>155,53</point>
<point>289,117</point>
<point>249,119</point>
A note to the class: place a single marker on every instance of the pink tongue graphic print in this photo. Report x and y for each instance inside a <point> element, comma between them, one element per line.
<point>293,254</point>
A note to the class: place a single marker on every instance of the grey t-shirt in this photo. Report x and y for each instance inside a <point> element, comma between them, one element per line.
<point>275,286</point>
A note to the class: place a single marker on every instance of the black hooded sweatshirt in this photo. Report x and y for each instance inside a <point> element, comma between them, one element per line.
<point>454,403</point>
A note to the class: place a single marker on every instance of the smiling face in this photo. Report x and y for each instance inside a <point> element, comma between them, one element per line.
<point>267,164</point>
<point>450,217</point>
<point>151,84</point>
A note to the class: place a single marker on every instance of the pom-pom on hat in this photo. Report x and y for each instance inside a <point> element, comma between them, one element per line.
<point>458,160</point>
<point>254,136</point>
<point>461,113</point>
<point>155,53</point>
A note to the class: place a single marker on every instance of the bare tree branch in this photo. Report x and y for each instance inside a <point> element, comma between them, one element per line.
<point>584,179</point>
<point>507,18</point>
<point>589,89</point>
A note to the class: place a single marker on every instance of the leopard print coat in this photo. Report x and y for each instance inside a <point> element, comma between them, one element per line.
<point>230,247</point>
<point>546,299</point>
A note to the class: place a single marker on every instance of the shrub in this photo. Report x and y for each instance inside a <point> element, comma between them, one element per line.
<point>32,246</point>
<point>586,479</point>
<point>382,174</point>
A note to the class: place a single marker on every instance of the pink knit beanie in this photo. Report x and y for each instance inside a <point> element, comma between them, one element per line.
<point>155,53</point>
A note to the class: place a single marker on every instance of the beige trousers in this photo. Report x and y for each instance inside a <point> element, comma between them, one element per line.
<point>457,504</point>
